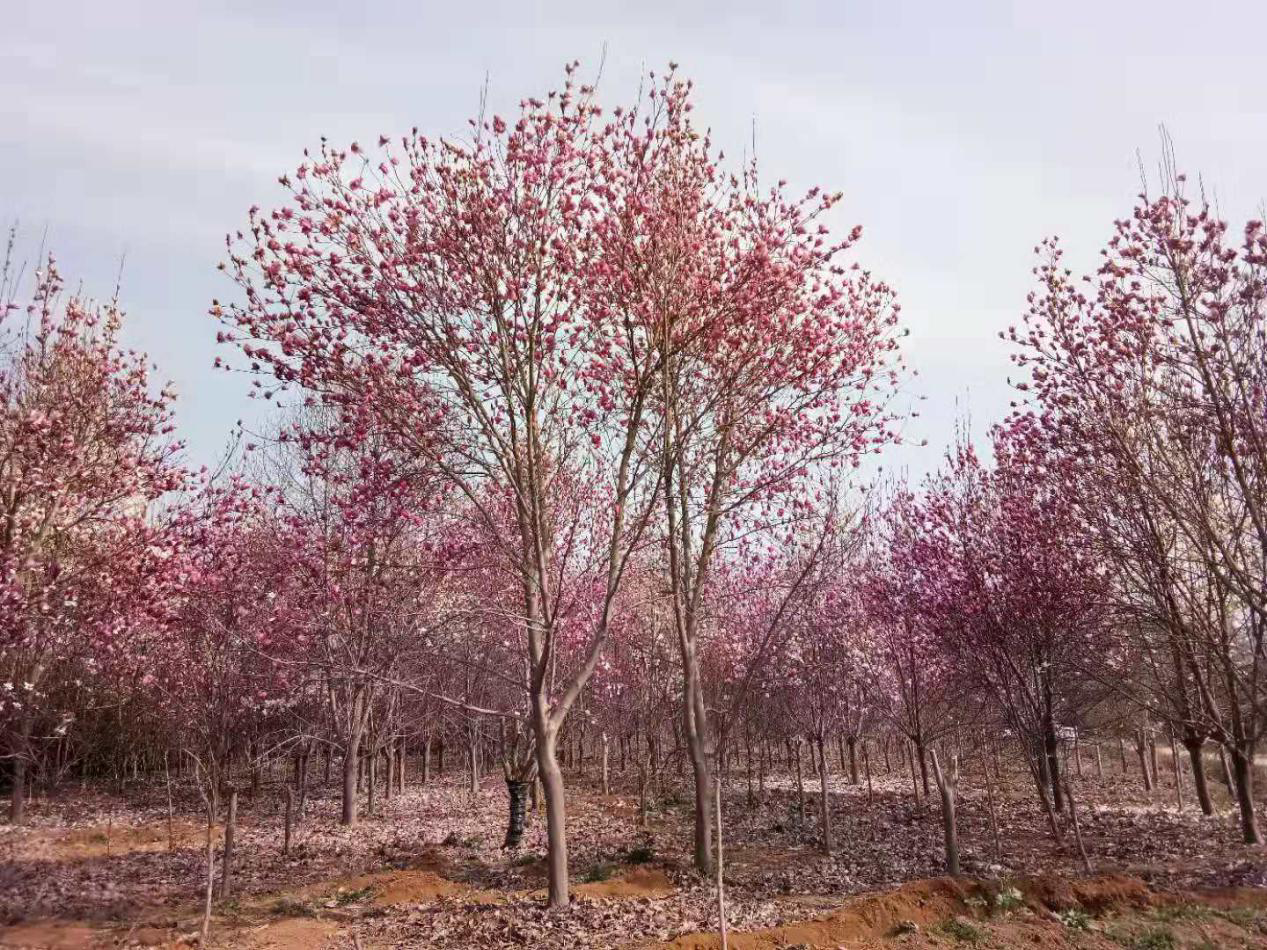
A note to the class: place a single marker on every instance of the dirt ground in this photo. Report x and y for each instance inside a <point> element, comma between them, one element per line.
<point>1099,912</point>
<point>93,869</point>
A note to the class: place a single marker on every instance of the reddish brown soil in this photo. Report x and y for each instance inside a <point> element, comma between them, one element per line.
<point>100,840</point>
<point>640,882</point>
<point>1110,911</point>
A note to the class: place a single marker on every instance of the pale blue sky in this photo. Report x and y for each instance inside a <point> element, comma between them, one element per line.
<point>961,133</point>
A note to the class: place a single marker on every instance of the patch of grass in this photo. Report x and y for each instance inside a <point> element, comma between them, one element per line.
<point>1177,912</point>
<point>1008,899</point>
<point>601,871</point>
<point>961,930</point>
<point>343,897</point>
<point>290,907</point>
<point>1155,938</point>
<point>1247,918</point>
<point>1075,919</point>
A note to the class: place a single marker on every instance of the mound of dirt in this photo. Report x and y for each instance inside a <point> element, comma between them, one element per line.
<point>1096,894</point>
<point>641,882</point>
<point>410,887</point>
<point>921,903</point>
<point>101,840</point>
<point>955,908</point>
<point>295,933</point>
<point>49,935</point>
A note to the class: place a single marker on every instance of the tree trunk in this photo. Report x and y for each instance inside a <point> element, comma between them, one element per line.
<point>946,786</point>
<point>303,781</point>
<point>695,724</point>
<point>992,813</point>
<point>211,875</point>
<point>748,767</point>
<point>1051,748</point>
<point>1177,769</point>
<point>853,760</point>
<point>1077,832</point>
<point>644,785</point>
<point>826,800</point>
<point>704,780</point>
<point>866,767</point>
<point>351,762</point>
<point>290,804</point>
<point>171,808</point>
<point>922,754</point>
<point>761,767</point>
<point>255,773</point>
<point>17,795</point>
<point>1141,749</point>
<point>1242,757</point>
<point>800,786</point>
<point>1195,747</point>
<point>1036,760</point>
<point>606,776</point>
<point>556,809</point>
<point>721,886</point>
<point>910,758</point>
<point>230,832</point>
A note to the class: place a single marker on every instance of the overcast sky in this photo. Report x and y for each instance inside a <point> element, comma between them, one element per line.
<point>960,132</point>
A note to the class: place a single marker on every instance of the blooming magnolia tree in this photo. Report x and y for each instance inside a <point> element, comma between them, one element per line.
<point>1011,590</point>
<point>448,292</point>
<point>85,448</point>
<point>828,663</point>
<point>774,363</point>
<point>360,536</point>
<point>1148,383</point>
<point>210,675</point>
<point>919,675</point>
<point>566,288</point>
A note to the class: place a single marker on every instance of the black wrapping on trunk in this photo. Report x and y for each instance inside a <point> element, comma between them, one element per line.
<point>518,792</point>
